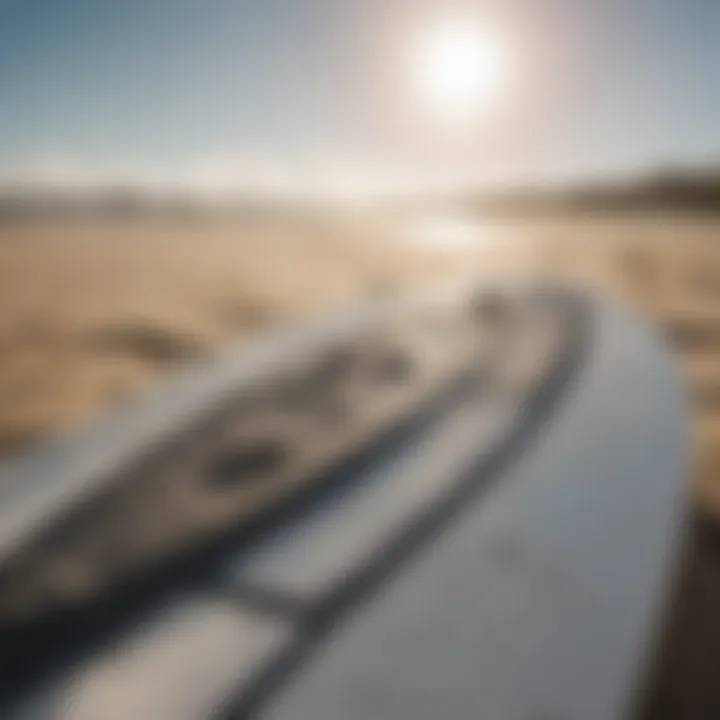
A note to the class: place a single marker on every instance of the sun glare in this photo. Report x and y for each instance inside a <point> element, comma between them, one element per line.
<point>460,69</point>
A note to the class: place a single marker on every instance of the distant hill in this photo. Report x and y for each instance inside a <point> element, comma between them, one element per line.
<point>671,190</point>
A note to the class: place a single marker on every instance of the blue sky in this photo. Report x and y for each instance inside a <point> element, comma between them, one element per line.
<point>221,89</point>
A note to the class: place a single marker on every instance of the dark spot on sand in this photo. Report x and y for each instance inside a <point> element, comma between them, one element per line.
<point>148,343</point>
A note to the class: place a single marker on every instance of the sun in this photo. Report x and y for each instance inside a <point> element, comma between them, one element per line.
<point>460,68</point>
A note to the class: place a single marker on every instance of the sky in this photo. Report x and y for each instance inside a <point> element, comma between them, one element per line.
<point>283,92</point>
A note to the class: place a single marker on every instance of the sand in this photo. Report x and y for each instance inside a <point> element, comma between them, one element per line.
<point>95,310</point>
